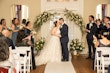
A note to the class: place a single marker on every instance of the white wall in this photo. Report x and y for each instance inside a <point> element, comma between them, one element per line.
<point>5,8</point>
<point>77,6</point>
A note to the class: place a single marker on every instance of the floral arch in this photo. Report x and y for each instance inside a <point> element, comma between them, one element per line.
<point>47,16</point>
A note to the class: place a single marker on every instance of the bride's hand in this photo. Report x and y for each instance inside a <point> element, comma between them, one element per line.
<point>59,35</point>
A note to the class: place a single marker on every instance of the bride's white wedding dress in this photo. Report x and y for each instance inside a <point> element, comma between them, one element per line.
<point>51,51</point>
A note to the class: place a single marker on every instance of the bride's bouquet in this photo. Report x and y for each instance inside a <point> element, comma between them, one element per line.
<point>76,45</point>
<point>39,44</point>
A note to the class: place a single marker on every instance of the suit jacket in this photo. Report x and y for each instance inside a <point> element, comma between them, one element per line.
<point>64,33</point>
<point>93,30</point>
<point>99,28</point>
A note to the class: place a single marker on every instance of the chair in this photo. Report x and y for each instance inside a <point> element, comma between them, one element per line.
<point>98,58</point>
<point>20,60</point>
<point>28,61</point>
<point>105,59</point>
<point>16,56</point>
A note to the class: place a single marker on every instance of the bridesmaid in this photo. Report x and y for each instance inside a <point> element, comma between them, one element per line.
<point>3,23</point>
<point>28,32</point>
<point>15,30</point>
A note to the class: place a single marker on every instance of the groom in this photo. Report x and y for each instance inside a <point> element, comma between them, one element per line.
<point>64,40</point>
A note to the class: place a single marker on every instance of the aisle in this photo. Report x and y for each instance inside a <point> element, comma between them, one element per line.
<point>63,67</point>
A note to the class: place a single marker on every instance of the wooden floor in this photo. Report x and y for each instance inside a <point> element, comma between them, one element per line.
<point>80,63</point>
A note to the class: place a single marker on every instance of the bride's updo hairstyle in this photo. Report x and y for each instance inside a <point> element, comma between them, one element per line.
<point>55,23</point>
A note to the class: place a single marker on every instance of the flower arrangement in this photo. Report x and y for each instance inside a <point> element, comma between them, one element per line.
<point>42,18</point>
<point>39,44</point>
<point>76,45</point>
<point>69,14</point>
<point>76,18</point>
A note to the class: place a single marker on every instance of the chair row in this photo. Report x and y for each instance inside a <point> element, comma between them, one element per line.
<point>23,59</point>
<point>102,59</point>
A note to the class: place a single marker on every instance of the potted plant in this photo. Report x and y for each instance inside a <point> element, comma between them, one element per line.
<point>76,46</point>
<point>39,44</point>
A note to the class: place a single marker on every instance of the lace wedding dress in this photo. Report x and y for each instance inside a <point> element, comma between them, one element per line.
<point>51,51</point>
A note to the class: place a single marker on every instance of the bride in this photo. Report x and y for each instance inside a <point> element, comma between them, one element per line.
<point>52,50</point>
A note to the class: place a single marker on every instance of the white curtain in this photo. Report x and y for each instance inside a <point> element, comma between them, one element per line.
<point>13,11</point>
<point>108,9</point>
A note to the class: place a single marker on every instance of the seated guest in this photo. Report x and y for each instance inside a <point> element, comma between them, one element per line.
<point>6,56</point>
<point>6,33</point>
<point>104,42</point>
<point>23,39</point>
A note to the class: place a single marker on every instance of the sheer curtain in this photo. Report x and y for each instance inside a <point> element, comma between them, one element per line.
<point>13,11</point>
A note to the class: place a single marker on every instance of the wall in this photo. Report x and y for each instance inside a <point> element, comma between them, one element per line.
<point>5,10</point>
<point>90,7</point>
<point>35,8</point>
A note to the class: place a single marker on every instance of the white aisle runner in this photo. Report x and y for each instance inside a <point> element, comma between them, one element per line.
<point>63,67</point>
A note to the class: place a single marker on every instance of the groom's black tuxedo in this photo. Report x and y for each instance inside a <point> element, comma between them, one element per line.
<point>64,41</point>
<point>64,33</point>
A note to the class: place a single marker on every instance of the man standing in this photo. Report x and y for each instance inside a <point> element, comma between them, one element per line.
<point>91,29</point>
<point>106,26</point>
<point>64,40</point>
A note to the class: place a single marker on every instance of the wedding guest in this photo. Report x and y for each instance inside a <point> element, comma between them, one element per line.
<point>6,33</point>
<point>4,49</point>
<point>28,32</point>
<point>91,29</point>
<point>23,24</point>
<point>23,39</point>
<point>99,28</point>
<point>106,26</point>
<point>28,28</point>
<point>104,42</point>
<point>3,23</point>
<point>6,56</point>
<point>15,29</point>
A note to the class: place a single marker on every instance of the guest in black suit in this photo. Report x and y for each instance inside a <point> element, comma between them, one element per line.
<point>6,33</point>
<point>99,28</point>
<point>91,29</point>
<point>106,26</point>
<point>64,40</point>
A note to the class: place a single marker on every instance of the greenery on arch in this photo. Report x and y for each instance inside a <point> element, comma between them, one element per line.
<point>47,16</point>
